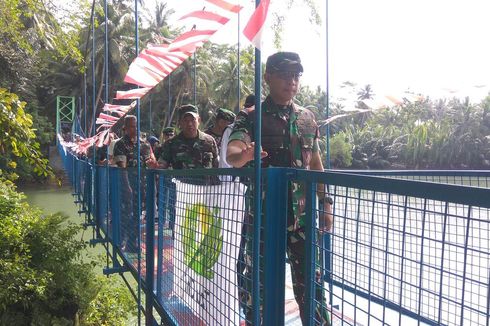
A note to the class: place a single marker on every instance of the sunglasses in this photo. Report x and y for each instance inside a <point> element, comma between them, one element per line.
<point>287,75</point>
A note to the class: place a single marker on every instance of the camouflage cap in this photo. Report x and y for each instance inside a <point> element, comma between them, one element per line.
<point>188,109</point>
<point>168,130</point>
<point>225,115</point>
<point>283,61</point>
<point>249,101</point>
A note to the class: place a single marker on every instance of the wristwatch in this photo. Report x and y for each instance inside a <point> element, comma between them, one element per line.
<point>328,200</point>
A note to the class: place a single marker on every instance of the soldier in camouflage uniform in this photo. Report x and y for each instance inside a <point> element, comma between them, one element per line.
<point>223,119</point>
<point>289,139</point>
<point>126,156</point>
<point>191,148</point>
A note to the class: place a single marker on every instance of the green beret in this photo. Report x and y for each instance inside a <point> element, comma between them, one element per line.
<point>168,130</point>
<point>225,115</point>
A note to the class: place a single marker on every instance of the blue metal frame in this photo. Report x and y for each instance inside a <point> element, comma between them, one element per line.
<point>276,185</point>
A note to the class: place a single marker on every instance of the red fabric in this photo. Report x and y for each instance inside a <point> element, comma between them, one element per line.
<point>226,5</point>
<point>202,14</point>
<point>256,22</point>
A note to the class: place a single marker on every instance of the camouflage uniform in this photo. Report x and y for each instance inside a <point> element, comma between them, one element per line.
<point>217,138</point>
<point>184,153</point>
<point>290,137</point>
<point>125,150</point>
<point>195,153</point>
<point>223,114</point>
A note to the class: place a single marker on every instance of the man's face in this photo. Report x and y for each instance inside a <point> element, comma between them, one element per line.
<point>222,123</point>
<point>283,85</point>
<point>131,128</point>
<point>189,125</point>
<point>167,136</point>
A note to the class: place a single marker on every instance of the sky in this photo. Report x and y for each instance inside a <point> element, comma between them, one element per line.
<point>432,47</point>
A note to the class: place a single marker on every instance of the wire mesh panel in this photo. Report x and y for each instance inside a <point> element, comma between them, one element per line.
<point>400,252</point>
<point>479,179</point>
<point>102,198</point>
<point>200,222</point>
<point>406,260</point>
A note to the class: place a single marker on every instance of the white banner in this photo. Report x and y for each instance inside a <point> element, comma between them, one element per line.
<point>207,242</point>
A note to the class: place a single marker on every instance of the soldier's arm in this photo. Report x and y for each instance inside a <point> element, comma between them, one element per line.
<point>240,153</point>
<point>240,148</point>
<point>215,154</point>
<point>326,216</point>
<point>119,156</point>
<point>164,157</point>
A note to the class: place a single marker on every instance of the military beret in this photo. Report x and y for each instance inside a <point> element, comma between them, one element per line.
<point>283,61</point>
<point>168,130</point>
<point>225,115</point>
<point>188,109</point>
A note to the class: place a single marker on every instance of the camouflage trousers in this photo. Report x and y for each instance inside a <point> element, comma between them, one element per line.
<point>296,251</point>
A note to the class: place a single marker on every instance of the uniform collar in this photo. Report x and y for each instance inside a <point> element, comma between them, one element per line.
<point>271,107</point>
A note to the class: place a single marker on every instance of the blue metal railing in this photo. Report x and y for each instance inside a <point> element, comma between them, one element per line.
<point>401,252</point>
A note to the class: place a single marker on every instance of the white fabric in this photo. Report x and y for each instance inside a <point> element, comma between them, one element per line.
<point>207,242</point>
<point>224,147</point>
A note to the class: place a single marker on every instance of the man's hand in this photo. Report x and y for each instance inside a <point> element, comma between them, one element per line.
<point>151,163</point>
<point>239,153</point>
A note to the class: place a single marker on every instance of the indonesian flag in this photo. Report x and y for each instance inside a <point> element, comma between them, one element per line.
<point>255,26</point>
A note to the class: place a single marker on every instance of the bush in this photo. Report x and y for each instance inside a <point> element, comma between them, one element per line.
<point>44,279</point>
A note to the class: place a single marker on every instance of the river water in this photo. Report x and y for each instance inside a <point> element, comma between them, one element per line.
<point>53,199</point>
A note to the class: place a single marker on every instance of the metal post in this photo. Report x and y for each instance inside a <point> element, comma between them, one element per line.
<point>138,129</point>
<point>275,246</point>
<point>195,79</point>
<point>257,189</point>
<point>150,238</point>
<point>327,97</point>
<point>310,204</point>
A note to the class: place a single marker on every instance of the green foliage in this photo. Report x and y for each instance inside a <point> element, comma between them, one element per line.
<point>340,151</point>
<point>44,279</point>
<point>423,135</point>
<point>17,138</point>
<point>113,305</point>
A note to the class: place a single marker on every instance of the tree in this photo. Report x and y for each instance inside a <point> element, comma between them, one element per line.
<point>17,138</point>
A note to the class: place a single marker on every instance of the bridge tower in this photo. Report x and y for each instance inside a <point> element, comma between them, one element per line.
<point>65,113</point>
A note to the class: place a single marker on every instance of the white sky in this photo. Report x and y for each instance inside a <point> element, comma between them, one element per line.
<point>435,47</point>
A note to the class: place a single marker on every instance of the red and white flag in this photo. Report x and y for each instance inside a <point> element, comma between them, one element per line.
<point>226,5</point>
<point>207,15</point>
<point>132,93</point>
<point>255,26</point>
<point>191,40</point>
<point>120,110</point>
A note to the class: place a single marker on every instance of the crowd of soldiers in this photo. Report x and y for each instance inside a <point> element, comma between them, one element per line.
<point>289,139</point>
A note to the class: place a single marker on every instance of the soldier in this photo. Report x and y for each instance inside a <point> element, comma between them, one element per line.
<point>191,148</point>
<point>167,134</point>
<point>125,148</point>
<point>223,118</point>
<point>126,156</point>
<point>289,139</point>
